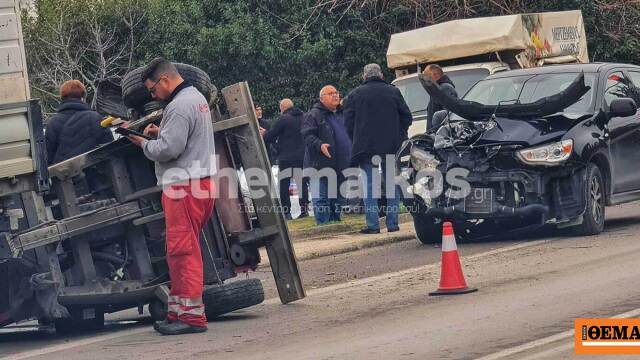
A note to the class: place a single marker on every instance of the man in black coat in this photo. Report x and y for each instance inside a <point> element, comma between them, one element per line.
<point>435,73</point>
<point>328,150</point>
<point>75,128</point>
<point>285,133</point>
<point>377,119</point>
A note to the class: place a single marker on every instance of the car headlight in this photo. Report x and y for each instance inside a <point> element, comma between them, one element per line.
<point>421,159</point>
<point>551,154</point>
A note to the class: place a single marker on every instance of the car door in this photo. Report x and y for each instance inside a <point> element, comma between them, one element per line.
<point>624,135</point>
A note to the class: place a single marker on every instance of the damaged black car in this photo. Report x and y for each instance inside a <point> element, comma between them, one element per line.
<point>526,148</point>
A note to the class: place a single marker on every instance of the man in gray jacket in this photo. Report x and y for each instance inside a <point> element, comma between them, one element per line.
<point>183,152</point>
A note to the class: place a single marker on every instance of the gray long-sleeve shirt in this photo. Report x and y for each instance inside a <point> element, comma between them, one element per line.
<point>184,148</point>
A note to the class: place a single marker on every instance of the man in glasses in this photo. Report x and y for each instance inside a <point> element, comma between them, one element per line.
<point>329,148</point>
<point>183,152</point>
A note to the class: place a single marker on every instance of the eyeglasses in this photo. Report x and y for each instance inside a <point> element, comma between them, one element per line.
<point>153,88</point>
<point>333,93</point>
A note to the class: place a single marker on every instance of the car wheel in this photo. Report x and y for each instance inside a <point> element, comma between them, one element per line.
<point>222,299</point>
<point>135,94</point>
<point>594,194</point>
<point>428,228</point>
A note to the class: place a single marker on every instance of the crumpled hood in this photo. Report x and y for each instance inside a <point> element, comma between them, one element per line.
<point>524,132</point>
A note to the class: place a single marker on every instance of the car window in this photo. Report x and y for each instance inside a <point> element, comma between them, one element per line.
<point>618,86</point>
<point>635,79</point>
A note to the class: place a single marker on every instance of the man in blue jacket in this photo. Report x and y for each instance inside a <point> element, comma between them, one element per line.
<point>329,149</point>
<point>285,134</point>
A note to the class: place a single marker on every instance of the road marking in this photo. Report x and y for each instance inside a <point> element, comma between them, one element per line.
<point>314,292</point>
<point>548,340</point>
<point>77,343</point>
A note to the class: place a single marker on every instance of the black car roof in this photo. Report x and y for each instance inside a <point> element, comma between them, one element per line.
<point>565,68</point>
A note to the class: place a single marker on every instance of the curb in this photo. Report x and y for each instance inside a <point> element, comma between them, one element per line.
<point>345,248</point>
<point>355,247</point>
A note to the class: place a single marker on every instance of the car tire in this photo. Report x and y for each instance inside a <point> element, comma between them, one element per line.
<point>223,299</point>
<point>594,195</point>
<point>135,94</point>
<point>428,229</point>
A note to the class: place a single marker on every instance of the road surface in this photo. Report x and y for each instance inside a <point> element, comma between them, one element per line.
<point>373,304</point>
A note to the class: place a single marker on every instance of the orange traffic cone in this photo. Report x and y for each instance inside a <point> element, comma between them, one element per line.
<point>451,277</point>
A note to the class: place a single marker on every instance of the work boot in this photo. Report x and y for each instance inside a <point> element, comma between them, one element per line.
<point>393,229</point>
<point>179,327</point>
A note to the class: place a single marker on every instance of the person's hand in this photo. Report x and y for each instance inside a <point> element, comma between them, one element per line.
<point>151,130</point>
<point>324,149</point>
<point>136,139</point>
<point>262,131</point>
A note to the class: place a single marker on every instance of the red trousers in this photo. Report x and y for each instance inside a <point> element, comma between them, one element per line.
<point>187,207</point>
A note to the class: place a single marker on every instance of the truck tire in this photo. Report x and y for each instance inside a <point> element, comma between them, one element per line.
<point>158,310</point>
<point>152,106</point>
<point>222,299</point>
<point>594,196</point>
<point>428,230</point>
<point>135,94</point>
<point>77,322</point>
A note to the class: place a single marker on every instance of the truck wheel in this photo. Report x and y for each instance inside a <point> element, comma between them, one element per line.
<point>135,94</point>
<point>158,310</point>
<point>594,195</point>
<point>152,106</point>
<point>80,320</point>
<point>428,229</point>
<point>222,299</point>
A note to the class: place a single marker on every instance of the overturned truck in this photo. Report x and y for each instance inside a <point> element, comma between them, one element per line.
<point>86,236</point>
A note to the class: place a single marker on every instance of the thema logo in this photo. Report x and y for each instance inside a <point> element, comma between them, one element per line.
<point>607,336</point>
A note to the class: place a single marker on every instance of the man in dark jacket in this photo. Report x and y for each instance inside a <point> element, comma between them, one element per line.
<point>329,150</point>
<point>377,119</point>
<point>285,133</point>
<point>435,73</point>
<point>75,128</point>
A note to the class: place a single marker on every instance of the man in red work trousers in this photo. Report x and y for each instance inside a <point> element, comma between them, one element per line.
<point>183,152</point>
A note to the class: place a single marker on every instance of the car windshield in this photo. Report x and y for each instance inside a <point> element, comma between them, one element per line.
<point>417,98</point>
<point>526,89</point>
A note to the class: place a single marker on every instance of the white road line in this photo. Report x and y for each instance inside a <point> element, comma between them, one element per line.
<point>314,292</point>
<point>548,340</point>
<point>76,343</point>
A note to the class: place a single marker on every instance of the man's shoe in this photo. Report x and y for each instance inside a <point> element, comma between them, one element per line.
<point>303,215</point>
<point>393,229</point>
<point>157,324</point>
<point>369,231</point>
<point>288,217</point>
<point>179,328</point>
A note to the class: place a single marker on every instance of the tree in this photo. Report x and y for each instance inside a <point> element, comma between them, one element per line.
<point>80,39</point>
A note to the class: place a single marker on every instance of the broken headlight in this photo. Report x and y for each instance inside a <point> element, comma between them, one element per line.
<point>551,154</point>
<point>421,160</point>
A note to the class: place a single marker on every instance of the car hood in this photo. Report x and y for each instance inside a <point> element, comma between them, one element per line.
<point>523,132</point>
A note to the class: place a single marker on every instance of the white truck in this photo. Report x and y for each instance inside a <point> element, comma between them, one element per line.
<point>471,49</point>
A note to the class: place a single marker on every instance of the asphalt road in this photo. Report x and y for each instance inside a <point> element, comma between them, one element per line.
<point>373,304</point>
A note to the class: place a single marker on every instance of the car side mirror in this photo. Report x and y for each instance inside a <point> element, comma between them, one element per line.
<point>622,107</point>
